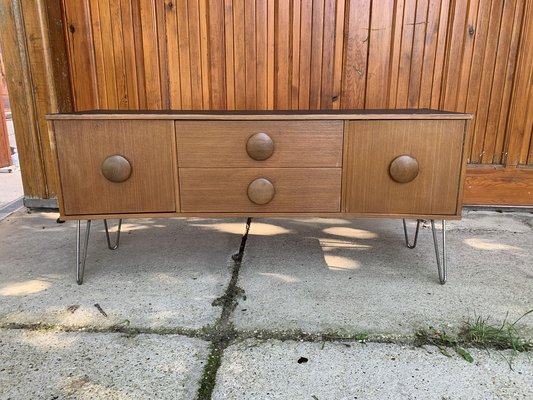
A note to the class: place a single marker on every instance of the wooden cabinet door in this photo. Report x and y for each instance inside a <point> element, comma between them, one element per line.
<point>430,185</point>
<point>148,147</point>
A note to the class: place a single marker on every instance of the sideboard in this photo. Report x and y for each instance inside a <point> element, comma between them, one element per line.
<point>407,164</point>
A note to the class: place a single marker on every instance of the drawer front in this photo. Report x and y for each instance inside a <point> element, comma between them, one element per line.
<point>116,166</point>
<point>403,167</point>
<point>205,144</point>
<point>260,190</point>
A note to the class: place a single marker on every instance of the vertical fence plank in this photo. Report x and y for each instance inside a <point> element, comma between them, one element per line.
<point>511,62</point>
<point>195,54</point>
<point>328,56</point>
<point>306,26</point>
<point>129,54</point>
<point>184,57</point>
<point>262,53</point>
<point>404,71</point>
<point>150,52</point>
<point>430,50</point>
<point>204,50</point>
<point>162,54</point>
<point>229,55</point>
<point>473,92</point>
<point>488,80</point>
<point>396,48</point>
<point>99,56</point>
<point>295,53</point>
<point>282,55</point>
<point>356,51</point>
<point>81,55</point>
<point>339,53</point>
<point>317,46</point>
<point>250,54</point>
<point>173,54</point>
<point>216,51</point>
<point>454,56</point>
<point>139,57</point>
<point>440,54</point>
<point>418,53</point>
<point>271,52</point>
<point>115,14</point>
<point>379,53</point>
<point>240,54</point>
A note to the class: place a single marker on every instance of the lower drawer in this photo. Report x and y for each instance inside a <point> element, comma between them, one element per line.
<point>260,189</point>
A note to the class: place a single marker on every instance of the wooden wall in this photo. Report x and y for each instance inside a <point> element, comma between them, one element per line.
<point>35,60</point>
<point>292,54</point>
<point>472,55</point>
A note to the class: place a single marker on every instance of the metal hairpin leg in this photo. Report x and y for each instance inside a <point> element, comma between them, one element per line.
<point>81,256</point>
<point>441,265</point>
<point>115,246</point>
<point>411,246</point>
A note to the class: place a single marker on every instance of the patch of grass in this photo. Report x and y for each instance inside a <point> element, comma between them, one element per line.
<point>480,333</point>
<point>506,336</point>
<point>442,341</point>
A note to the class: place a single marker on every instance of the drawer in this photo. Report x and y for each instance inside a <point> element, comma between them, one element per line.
<point>403,167</point>
<point>205,144</point>
<point>260,190</point>
<point>116,166</point>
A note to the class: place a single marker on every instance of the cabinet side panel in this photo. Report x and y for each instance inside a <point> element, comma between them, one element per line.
<point>370,148</point>
<point>82,146</point>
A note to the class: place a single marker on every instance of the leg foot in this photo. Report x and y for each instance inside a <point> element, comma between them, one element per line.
<point>81,254</point>
<point>109,245</point>
<point>409,245</point>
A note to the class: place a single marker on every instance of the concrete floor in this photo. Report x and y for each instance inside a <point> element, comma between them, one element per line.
<point>148,316</point>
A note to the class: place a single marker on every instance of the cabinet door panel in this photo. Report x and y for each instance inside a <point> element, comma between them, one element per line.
<point>372,146</point>
<point>148,147</point>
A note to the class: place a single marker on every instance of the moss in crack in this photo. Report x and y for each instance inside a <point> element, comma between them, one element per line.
<point>208,380</point>
<point>229,299</point>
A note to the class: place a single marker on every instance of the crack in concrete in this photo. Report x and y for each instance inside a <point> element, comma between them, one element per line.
<point>223,333</point>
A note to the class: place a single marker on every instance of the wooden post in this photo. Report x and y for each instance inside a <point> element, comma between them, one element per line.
<point>33,48</point>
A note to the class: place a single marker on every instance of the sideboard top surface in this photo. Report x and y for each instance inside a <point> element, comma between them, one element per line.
<point>423,114</point>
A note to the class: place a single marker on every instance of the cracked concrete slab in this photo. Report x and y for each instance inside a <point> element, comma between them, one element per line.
<point>166,272</point>
<point>327,371</point>
<point>60,365</point>
<point>350,276</point>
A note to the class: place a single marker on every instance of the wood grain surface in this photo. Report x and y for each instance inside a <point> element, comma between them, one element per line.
<point>223,143</point>
<point>82,146</point>
<point>370,147</point>
<point>302,190</point>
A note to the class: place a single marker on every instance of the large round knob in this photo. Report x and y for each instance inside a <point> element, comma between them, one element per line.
<point>261,191</point>
<point>260,146</point>
<point>404,169</point>
<point>116,168</point>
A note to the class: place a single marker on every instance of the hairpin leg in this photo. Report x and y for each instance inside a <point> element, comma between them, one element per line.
<point>115,246</point>
<point>81,255</point>
<point>409,245</point>
<point>441,265</point>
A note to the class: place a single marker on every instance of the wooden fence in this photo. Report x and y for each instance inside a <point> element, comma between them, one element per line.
<point>470,56</point>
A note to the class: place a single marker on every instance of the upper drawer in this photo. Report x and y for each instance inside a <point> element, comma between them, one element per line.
<point>259,143</point>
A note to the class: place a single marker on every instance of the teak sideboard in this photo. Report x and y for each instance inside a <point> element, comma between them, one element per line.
<point>407,164</point>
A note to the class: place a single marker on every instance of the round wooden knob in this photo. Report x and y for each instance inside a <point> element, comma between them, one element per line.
<point>261,191</point>
<point>260,146</point>
<point>404,169</point>
<point>116,169</point>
